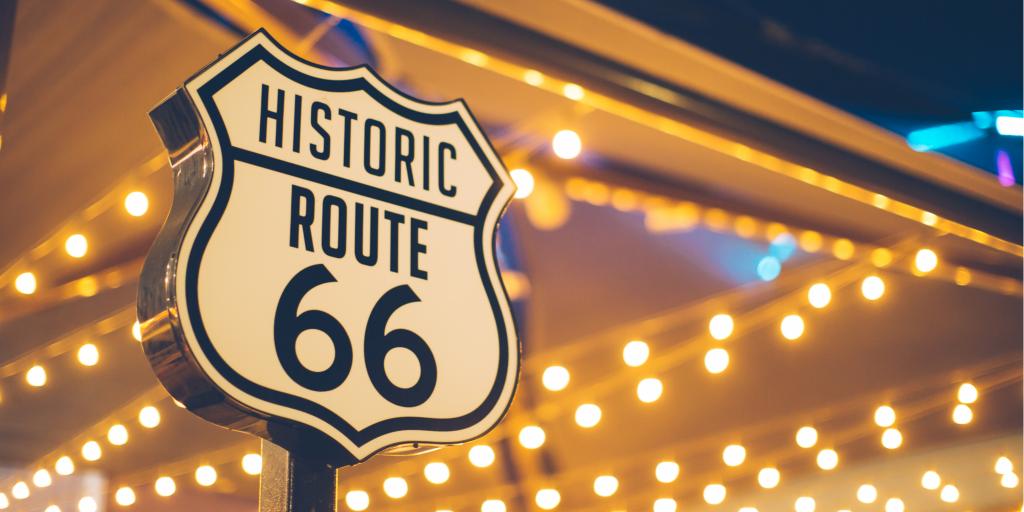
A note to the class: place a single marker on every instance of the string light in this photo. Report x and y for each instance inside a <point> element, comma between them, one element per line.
<point>436,472</point>
<point>721,326</point>
<point>1003,465</point>
<point>41,478</point>
<point>635,353</point>
<point>665,505</point>
<point>51,508</point>
<point>949,493</point>
<point>567,144</point>
<point>533,77</point>
<point>666,471</point>
<point>768,478</point>
<point>881,257</point>
<point>136,203</point>
<point>892,438</point>
<point>792,327</point>
<point>76,245</point>
<point>555,378</point>
<point>88,355</point>
<point>357,500</point>
<point>492,506</point>
<point>396,487</point>
<point>867,494</point>
<point>885,416</point>
<point>714,494</point>
<point>819,295</point>
<point>91,451</point>
<point>734,455</point>
<point>125,496</point>
<point>64,466</point>
<point>925,261</point>
<point>25,283</point>
<point>206,475</point>
<point>481,456</point>
<point>962,414</point>
<point>36,376</point>
<point>828,459</point>
<point>804,504</point>
<point>547,499</point>
<point>605,485</point>
<point>573,91</point>
<point>649,390</point>
<point>531,437</point>
<point>588,415</point>
<point>1009,480</point>
<point>872,288</point>
<point>894,505</point>
<point>87,504</point>
<point>843,249</point>
<point>20,490</point>
<point>165,486</point>
<point>252,463</point>
<point>716,360</point>
<point>149,417</point>
<point>806,437</point>
<point>4,502</point>
<point>931,480</point>
<point>117,435</point>
<point>524,182</point>
<point>967,393</point>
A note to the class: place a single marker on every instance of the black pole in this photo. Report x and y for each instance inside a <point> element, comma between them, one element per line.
<point>292,484</point>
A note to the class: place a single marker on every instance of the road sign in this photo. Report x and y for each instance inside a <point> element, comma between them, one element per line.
<point>326,278</point>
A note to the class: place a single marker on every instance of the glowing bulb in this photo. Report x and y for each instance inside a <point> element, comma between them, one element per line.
<point>819,295</point>
<point>931,480</point>
<point>88,504</point>
<point>828,459</point>
<point>64,466</point>
<point>396,487</point>
<point>481,456</point>
<point>734,455</point>
<point>962,414</point>
<point>721,326</point>
<point>1003,466</point>
<point>892,438</point>
<point>25,283</point>
<point>588,415</point>
<point>533,77</point>
<point>649,390</point>
<point>492,506</point>
<point>1009,480</point>
<point>136,203</point>
<point>967,393</point>
<point>165,486</point>
<point>754,509</point>
<point>573,92</point>
<point>867,494</point>
<point>768,478</point>
<point>665,505</point>
<point>76,245</point>
<point>524,182</point>
<point>4,502</point>
<point>885,416</point>
<point>531,437</point>
<point>51,508</point>
<point>714,494</point>
<point>925,261</point>
<point>716,360</point>
<point>635,353</point>
<point>91,451</point>
<point>555,378</point>
<point>436,472</point>
<point>666,471</point>
<point>894,505</point>
<point>949,493</point>
<point>547,499</point>
<point>567,144</point>
<point>149,417</point>
<point>125,496</point>
<point>605,485</point>
<point>206,476</point>
<point>872,288</point>
<point>252,463</point>
<point>137,331</point>
<point>20,491</point>
<point>88,355</point>
<point>357,500</point>
<point>36,376</point>
<point>806,437</point>
<point>42,478</point>
<point>792,327</point>
<point>117,435</point>
<point>804,504</point>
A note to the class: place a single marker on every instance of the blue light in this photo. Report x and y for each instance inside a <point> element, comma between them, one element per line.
<point>936,137</point>
<point>782,247</point>
<point>768,268</point>
<point>1010,125</point>
<point>983,120</point>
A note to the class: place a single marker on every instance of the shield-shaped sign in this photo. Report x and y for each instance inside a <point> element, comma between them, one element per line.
<point>327,278</point>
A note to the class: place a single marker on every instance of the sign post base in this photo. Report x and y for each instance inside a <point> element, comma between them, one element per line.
<point>292,484</point>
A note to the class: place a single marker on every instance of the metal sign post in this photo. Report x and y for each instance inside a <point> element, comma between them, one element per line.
<point>290,484</point>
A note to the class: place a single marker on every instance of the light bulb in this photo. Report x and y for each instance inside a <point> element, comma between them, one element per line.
<point>665,505</point>
<point>357,500</point>
<point>949,493</point>
<point>149,417</point>
<point>792,326</point>
<point>125,496</point>
<point>555,378</point>
<point>828,459</point>
<point>88,504</point>
<point>573,92</point>
<point>64,466</point>
<point>88,355</point>
<point>734,455</point>
<point>819,295</point>
<point>36,376</point>
<point>4,502</point>
<point>867,494</point>
<point>136,203</point>
<point>1009,480</point>
<point>872,288</point>
<point>804,504</point>
<point>666,471</point>
<point>931,480</point>
<point>396,487</point>
<point>716,360</point>
<point>436,472</point>
<point>962,414</point>
<point>894,505</point>
<point>41,478</point>
<point>492,506</point>
<point>531,437</point>
<point>481,456</point>
<point>25,283</point>
<point>117,435</point>
<point>885,416</point>
<point>252,463</point>
<point>20,491</point>
<point>892,438</point>
<point>967,393</point>
<point>925,260</point>
<point>605,485</point>
<point>714,494</point>
<point>76,245</point>
<point>649,390</point>
<point>588,415</point>
<point>635,353</point>
<point>165,486</point>
<point>1003,465</point>
<point>91,451</point>
<point>206,475</point>
<point>721,326</point>
<point>806,437</point>
<point>547,499</point>
<point>769,478</point>
<point>524,182</point>
<point>567,144</point>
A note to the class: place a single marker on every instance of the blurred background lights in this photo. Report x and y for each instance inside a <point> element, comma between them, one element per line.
<point>804,504</point>
<point>547,499</point>
<point>149,417</point>
<point>867,494</point>
<point>843,249</point>
<point>20,491</point>
<point>252,463</point>
<point>792,326</point>
<point>357,500</point>
<point>524,182</point>
<point>967,393</point>
<point>52,508</point>
<point>714,494</point>
<point>819,295</point>
<point>125,496</point>
<point>588,415</point>
<point>396,487</point>
<point>783,246</point>
<point>1003,465</point>
<point>734,455</point>
<point>605,485</point>
<point>931,480</point>
<point>962,414</point>
<point>666,471</point>
<point>88,504</point>
<point>748,509</point>
<point>828,459</point>
<point>872,288</point>
<point>481,456</point>
<point>665,505</point>
<point>25,283</point>
<point>768,478</point>
<point>572,91</point>
<point>136,203</point>
<point>4,502</point>
<point>768,268</point>
<point>1004,169</point>
<point>1010,125</point>
<point>91,451</point>
<point>716,360</point>
<point>206,475</point>
<point>533,77</point>
<point>894,505</point>
<point>137,331</point>
<point>436,472</point>
<point>492,505</point>
<point>806,437</point>
<point>892,438</point>
<point>649,390</point>
<point>925,261</point>
<point>531,437</point>
<point>949,493</point>
<point>720,326</point>
<point>165,486</point>
<point>881,257</point>
<point>885,416</point>
<point>41,478</point>
<point>555,378</point>
<point>88,355</point>
<point>635,353</point>
<point>64,466</point>
<point>117,435</point>
<point>76,245</point>
<point>566,144</point>
<point>1009,480</point>
<point>36,376</point>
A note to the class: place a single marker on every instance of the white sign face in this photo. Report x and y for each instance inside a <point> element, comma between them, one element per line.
<point>337,279</point>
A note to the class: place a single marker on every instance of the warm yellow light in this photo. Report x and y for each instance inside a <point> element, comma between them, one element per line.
<point>792,326</point>
<point>41,478</point>
<point>819,295</point>
<point>843,249</point>
<point>962,414</point>
<point>125,496</point>
<point>547,499</point>
<point>136,203</point>
<point>588,415</point>
<point>881,257</point>
<point>635,353</point>
<point>885,416</point>
<point>206,475</point>
<point>51,508</point>
<point>117,435</point>
<point>806,437</point>
<point>25,283</point>
<point>1009,480</point>
<point>1003,465</point>
<point>810,241</point>
<point>36,376</point>
<point>828,459</point>
<point>962,276</point>
<point>91,451</point>
<point>666,471</point>
<point>567,144</point>
<point>734,455</point>
<point>605,485</point>
<point>357,500</point>
<point>492,506</point>
<point>481,456</point>
<point>165,486</point>
<point>573,92</point>
<point>533,77</point>
<point>665,505</point>
<point>925,261</point>
<point>649,390</point>
<point>714,494</point>
<point>88,504</point>
<point>531,437</point>
<point>149,417</point>
<point>76,245</point>
<point>754,509</point>
<point>967,393</point>
<point>872,288</point>
<point>867,494</point>
<point>396,487</point>
<point>804,504</point>
<point>252,463</point>
<point>892,438</point>
<point>894,505</point>
<point>931,480</point>
<point>716,360</point>
<point>4,502</point>
<point>88,355</point>
<point>20,491</point>
<point>555,378</point>
<point>137,331</point>
<point>64,466</point>
<point>524,182</point>
<point>768,478</point>
<point>949,493</point>
<point>436,472</point>
<point>721,326</point>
